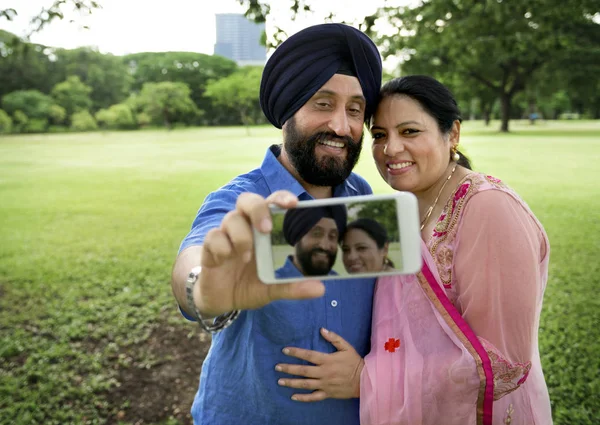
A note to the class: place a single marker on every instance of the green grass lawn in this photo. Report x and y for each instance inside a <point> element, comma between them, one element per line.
<point>90,225</point>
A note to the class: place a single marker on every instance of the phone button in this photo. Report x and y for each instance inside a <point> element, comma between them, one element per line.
<point>334,303</point>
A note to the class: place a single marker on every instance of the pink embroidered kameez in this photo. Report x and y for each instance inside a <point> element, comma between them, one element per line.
<point>458,342</point>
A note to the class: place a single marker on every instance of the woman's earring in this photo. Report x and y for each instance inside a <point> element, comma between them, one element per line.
<point>455,154</point>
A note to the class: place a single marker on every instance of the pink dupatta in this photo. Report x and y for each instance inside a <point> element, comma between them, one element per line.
<point>427,364</point>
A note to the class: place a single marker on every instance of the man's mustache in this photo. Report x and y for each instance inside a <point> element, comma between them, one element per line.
<point>322,251</point>
<point>329,135</point>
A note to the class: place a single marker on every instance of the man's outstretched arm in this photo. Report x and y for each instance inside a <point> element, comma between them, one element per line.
<point>228,280</point>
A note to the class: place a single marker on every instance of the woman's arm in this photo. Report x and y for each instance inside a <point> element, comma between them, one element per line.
<point>500,282</point>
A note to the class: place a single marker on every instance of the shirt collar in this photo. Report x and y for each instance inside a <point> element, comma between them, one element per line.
<point>278,178</point>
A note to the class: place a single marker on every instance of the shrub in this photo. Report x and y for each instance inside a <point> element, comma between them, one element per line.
<point>33,103</point>
<point>5,122</point>
<point>117,116</point>
<point>123,117</point>
<point>20,120</point>
<point>57,114</point>
<point>36,125</point>
<point>83,121</point>
<point>143,119</point>
<point>104,118</point>
<point>58,129</point>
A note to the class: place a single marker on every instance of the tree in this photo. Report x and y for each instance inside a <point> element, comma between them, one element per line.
<point>167,102</point>
<point>55,10</point>
<point>33,103</point>
<point>25,66</point>
<point>73,95</point>
<point>107,75</point>
<point>384,212</point>
<point>193,69</point>
<point>239,91</point>
<point>496,44</point>
<point>492,43</point>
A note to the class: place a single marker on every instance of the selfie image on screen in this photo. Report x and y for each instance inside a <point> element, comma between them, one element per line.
<point>358,237</point>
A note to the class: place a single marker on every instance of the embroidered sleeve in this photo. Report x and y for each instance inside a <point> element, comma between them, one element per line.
<point>499,282</point>
<point>507,376</point>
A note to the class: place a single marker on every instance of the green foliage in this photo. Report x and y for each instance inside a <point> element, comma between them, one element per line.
<point>384,212</point>
<point>57,114</point>
<point>33,103</point>
<point>25,66</point>
<point>107,75</point>
<point>239,91</point>
<point>490,49</point>
<point>167,103</point>
<point>194,69</point>
<point>495,45</point>
<point>116,117</point>
<point>104,118</point>
<point>57,129</point>
<point>35,125</point>
<point>123,116</point>
<point>73,95</point>
<point>20,120</point>
<point>5,122</point>
<point>83,121</point>
<point>558,103</point>
<point>143,119</point>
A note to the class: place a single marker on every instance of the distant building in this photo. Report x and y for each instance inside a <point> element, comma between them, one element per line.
<point>238,39</point>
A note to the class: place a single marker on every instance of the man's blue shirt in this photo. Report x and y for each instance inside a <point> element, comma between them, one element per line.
<point>238,383</point>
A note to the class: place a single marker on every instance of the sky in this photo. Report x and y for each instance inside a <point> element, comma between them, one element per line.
<point>131,26</point>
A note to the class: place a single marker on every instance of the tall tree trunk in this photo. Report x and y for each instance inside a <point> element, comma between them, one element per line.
<point>486,110</point>
<point>245,120</point>
<point>505,99</point>
<point>166,120</point>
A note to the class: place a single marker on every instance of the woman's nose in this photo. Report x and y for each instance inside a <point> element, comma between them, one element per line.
<point>393,146</point>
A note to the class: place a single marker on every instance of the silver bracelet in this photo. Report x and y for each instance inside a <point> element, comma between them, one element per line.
<point>212,325</point>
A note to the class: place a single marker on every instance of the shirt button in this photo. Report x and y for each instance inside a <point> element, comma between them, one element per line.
<point>334,303</point>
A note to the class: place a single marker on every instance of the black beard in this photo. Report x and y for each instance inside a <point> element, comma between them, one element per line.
<point>305,261</point>
<point>330,171</point>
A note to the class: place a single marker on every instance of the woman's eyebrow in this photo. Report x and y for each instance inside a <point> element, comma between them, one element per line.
<point>402,124</point>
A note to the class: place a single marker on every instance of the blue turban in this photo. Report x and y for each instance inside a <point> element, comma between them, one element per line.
<point>303,63</point>
<point>297,222</point>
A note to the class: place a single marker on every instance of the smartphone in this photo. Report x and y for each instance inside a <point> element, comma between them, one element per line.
<point>340,238</point>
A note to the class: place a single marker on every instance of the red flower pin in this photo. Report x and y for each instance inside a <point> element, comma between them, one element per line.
<point>391,345</point>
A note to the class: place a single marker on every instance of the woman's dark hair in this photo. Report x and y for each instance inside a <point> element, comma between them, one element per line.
<point>375,231</point>
<point>434,97</point>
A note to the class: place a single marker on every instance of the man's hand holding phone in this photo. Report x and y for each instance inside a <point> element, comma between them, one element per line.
<point>229,279</point>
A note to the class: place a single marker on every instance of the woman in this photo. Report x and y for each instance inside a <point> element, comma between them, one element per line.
<point>458,342</point>
<point>365,247</point>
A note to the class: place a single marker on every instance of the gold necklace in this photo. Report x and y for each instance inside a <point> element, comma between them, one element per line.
<point>430,210</point>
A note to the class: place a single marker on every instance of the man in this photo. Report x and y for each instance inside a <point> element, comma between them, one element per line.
<point>318,86</point>
<point>314,233</point>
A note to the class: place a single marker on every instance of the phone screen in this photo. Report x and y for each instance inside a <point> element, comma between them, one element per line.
<point>349,239</point>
